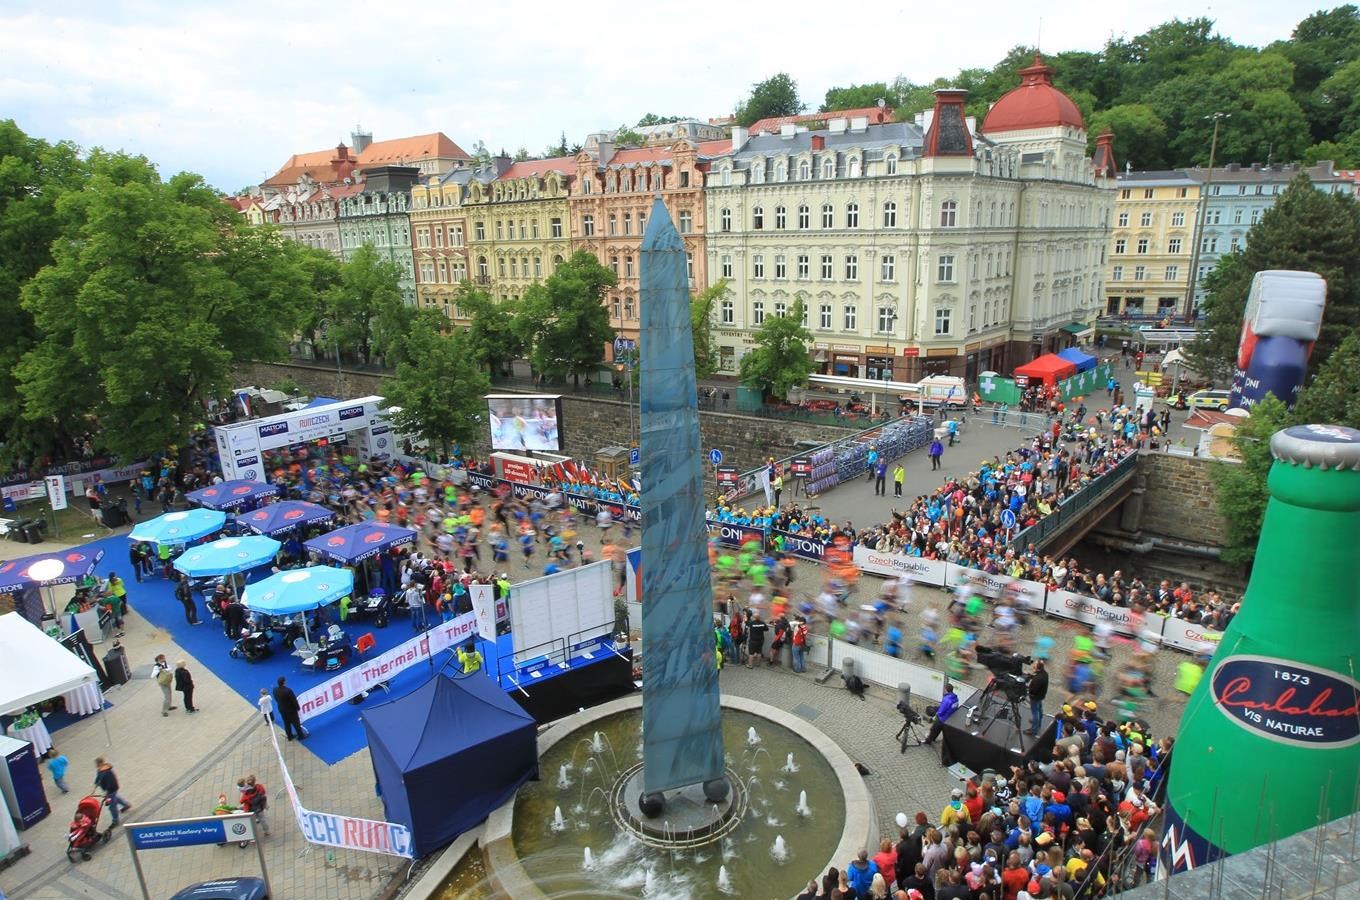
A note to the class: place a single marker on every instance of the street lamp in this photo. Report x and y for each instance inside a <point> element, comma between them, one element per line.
<point>326,330</point>
<point>1218,117</point>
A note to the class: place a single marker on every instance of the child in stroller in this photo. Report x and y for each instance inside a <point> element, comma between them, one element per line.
<point>253,645</point>
<point>84,834</point>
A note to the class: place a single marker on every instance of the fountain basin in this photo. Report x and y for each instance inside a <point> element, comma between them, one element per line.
<point>527,860</point>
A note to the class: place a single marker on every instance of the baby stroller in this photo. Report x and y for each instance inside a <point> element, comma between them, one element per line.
<point>252,646</point>
<point>84,834</point>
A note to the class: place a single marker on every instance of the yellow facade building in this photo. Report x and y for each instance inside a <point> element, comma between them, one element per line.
<point>517,224</point>
<point>439,240</point>
<point>1147,269</point>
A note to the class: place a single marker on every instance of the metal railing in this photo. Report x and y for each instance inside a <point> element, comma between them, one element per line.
<point>1074,506</point>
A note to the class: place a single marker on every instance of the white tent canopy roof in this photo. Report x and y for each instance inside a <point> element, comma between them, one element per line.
<point>33,667</point>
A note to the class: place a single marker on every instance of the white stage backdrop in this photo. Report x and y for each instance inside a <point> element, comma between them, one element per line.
<point>558,611</point>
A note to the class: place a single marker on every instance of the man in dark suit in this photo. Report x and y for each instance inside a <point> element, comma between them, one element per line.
<point>289,710</point>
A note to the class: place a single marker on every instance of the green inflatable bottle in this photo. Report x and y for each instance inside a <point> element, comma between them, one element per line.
<point>1272,732</point>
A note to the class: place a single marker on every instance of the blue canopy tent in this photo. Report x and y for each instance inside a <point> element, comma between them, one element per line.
<point>449,753</point>
<point>227,556</point>
<point>18,576</point>
<point>355,543</point>
<point>280,518</point>
<point>232,495</point>
<point>1083,361</point>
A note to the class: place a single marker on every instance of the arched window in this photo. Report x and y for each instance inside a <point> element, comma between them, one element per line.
<point>949,214</point>
<point>780,172</point>
<point>804,170</point>
<point>852,167</point>
<point>757,174</point>
<point>829,167</point>
<point>890,164</point>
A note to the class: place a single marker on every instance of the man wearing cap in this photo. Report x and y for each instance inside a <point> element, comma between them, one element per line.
<point>873,460</point>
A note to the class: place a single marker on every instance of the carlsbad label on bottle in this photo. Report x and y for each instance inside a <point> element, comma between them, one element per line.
<point>1288,702</point>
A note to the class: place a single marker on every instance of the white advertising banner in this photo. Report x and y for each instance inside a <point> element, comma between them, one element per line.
<point>1187,636</point>
<point>926,571</point>
<point>484,608</point>
<point>21,492</point>
<point>369,673</point>
<point>56,491</point>
<point>345,832</point>
<point>1089,610</point>
<point>241,444</point>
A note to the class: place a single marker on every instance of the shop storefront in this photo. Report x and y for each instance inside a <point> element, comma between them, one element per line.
<point>846,360</point>
<point>878,363</point>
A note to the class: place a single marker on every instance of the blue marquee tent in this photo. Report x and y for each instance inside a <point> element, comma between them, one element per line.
<point>1083,361</point>
<point>355,543</point>
<point>232,495</point>
<point>449,753</point>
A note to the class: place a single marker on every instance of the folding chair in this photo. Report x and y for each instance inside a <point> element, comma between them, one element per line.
<point>365,643</point>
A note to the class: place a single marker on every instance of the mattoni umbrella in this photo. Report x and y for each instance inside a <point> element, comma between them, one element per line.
<point>227,556</point>
<point>179,527</point>
<point>355,543</point>
<point>231,495</point>
<point>279,518</point>
<point>299,590</point>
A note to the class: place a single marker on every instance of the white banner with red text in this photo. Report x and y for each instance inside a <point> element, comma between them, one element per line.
<point>371,672</point>
<point>345,832</point>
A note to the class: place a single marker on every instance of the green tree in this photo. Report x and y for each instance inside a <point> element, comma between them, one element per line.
<point>561,148</point>
<point>369,287</point>
<point>34,175</point>
<point>775,96</point>
<point>780,360</point>
<point>522,154</point>
<point>493,339</point>
<point>626,136</point>
<point>857,96</point>
<point>437,392</point>
<point>654,119</point>
<point>1306,231</point>
<point>562,321</point>
<point>701,309</point>
<point>1139,134</point>
<point>1241,489</point>
<point>155,289</point>
<point>1339,154</point>
<point>1333,396</point>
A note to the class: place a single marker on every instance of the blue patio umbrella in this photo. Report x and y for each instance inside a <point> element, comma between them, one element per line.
<point>280,518</point>
<point>179,527</point>
<point>230,495</point>
<point>227,556</point>
<point>44,569</point>
<point>299,590</point>
<point>355,543</point>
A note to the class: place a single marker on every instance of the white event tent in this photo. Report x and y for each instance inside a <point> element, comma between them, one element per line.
<point>34,667</point>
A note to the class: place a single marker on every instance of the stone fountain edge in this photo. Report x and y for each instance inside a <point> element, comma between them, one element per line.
<point>507,873</point>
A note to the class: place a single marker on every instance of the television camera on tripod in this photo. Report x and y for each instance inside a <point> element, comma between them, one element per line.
<point>1006,689</point>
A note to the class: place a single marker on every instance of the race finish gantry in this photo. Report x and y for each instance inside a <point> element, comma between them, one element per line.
<point>361,424</point>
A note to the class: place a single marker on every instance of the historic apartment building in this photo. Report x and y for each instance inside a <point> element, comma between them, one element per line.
<point>379,215</point>
<point>925,247</point>
<point>608,213</point>
<point>439,245</point>
<point>518,224</point>
<point>1151,245</point>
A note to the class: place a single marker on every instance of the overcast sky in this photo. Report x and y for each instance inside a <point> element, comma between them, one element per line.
<point>232,89</point>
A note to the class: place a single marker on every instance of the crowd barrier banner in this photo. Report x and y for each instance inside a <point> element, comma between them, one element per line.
<point>582,503</point>
<point>369,673</point>
<point>345,832</point>
<point>1089,610</point>
<point>1187,636</point>
<point>933,572</point>
<point>800,545</point>
<point>733,535</point>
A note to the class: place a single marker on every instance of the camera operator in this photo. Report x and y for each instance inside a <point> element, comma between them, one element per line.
<point>1038,690</point>
<point>948,704</point>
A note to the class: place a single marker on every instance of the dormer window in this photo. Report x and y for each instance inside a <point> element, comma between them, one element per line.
<point>805,170</point>
<point>890,164</point>
<point>829,167</point>
<point>758,174</point>
<point>726,177</point>
<point>780,172</point>
<point>852,167</point>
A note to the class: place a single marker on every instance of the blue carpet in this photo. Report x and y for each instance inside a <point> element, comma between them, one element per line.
<point>335,734</point>
<point>61,718</point>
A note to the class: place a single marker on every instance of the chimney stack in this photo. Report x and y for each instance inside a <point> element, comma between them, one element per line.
<point>739,135</point>
<point>948,132</point>
<point>1103,162</point>
<point>818,142</point>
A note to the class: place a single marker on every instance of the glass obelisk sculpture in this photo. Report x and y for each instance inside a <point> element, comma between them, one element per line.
<point>682,735</point>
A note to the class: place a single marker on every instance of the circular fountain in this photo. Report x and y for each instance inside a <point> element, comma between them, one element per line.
<point>796,805</point>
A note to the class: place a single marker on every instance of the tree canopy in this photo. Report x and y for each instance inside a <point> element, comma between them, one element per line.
<point>563,323</point>
<point>438,389</point>
<point>780,360</point>
<point>1294,99</point>
<point>775,96</point>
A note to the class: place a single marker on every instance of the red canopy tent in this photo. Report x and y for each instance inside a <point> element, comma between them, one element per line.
<point>1049,368</point>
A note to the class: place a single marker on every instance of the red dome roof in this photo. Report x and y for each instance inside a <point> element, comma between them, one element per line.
<point>1036,103</point>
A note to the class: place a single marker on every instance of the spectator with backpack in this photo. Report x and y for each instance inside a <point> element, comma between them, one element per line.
<point>254,800</point>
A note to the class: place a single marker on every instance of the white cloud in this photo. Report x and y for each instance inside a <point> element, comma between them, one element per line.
<point>232,90</point>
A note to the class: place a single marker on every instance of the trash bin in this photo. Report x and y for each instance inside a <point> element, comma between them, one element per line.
<point>33,532</point>
<point>116,665</point>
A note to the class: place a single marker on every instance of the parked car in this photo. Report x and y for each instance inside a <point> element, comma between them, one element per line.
<point>245,888</point>
<point>1201,400</point>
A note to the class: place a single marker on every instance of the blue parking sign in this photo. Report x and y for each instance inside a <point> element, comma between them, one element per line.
<point>634,457</point>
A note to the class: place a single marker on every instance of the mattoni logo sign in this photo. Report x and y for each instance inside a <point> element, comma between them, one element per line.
<point>351,412</point>
<point>273,428</point>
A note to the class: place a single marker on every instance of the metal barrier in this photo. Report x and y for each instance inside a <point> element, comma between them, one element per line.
<point>1076,505</point>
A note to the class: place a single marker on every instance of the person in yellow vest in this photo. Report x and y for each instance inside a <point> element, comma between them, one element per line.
<point>470,658</point>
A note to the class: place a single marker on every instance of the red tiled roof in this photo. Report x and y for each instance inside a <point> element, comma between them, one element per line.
<point>528,168</point>
<point>422,146</point>
<point>715,148</point>
<point>237,203</point>
<point>640,154</point>
<point>876,116</point>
